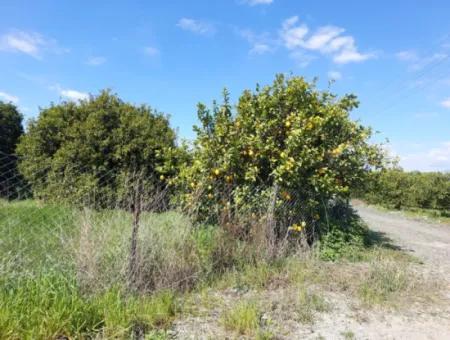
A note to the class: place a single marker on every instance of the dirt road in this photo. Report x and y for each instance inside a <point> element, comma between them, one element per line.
<point>428,241</point>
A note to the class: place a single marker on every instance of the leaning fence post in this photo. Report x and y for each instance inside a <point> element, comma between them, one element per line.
<point>271,221</point>
<point>136,210</point>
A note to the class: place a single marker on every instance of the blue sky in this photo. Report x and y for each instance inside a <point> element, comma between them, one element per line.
<point>394,55</point>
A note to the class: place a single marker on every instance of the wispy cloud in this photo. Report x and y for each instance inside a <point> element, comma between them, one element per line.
<point>260,48</point>
<point>96,61</point>
<point>30,43</point>
<point>436,158</point>
<point>73,94</point>
<point>292,33</point>
<point>417,62</point>
<point>70,94</point>
<point>334,75</point>
<point>151,51</point>
<point>300,58</point>
<point>426,115</point>
<point>446,103</point>
<point>196,26</point>
<point>9,97</point>
<point>256,2</point>
<point>327,40</point>
<point>260,43</point>
<point>407,55</point>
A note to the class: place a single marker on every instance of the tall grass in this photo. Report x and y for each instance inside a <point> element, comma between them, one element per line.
<point>64,271</point>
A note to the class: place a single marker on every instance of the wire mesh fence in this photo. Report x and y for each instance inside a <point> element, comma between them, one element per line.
<point>131,230</point>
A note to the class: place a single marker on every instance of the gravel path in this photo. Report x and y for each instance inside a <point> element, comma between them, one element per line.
<point>428,241</point>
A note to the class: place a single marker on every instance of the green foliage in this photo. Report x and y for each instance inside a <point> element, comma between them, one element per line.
<point>287,134</point>
<point>398,189</point>
<point>344,240</point>
<point>96,145</point>
<point>10,131</point>
<point>10,128</point>
<point>344,236</point>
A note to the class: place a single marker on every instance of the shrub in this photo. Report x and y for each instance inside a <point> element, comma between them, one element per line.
<point>287,139</point>
<point>96,145</point>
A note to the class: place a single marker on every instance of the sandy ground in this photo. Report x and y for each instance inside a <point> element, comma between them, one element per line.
<point>428,241</point>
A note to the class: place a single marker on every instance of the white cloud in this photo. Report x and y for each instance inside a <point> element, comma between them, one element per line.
<point>435,159</point>
<point>96,61</point>
<point>31,43</point>
<point>73,94</point>
<point>322,38</point>
<point>351,55</point>
<point>151,51</point>
<point>196,26</point>
<point>257,2</point>
<point>334,75</point>
<point>9,97</point>
<point>293,34</point>
<point>446,103</point>
<point>326,40</point>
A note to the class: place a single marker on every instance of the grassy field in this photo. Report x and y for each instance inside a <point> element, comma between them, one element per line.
<point>63,272</point>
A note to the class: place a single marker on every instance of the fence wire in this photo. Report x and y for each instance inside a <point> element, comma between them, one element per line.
<point>132,232</point>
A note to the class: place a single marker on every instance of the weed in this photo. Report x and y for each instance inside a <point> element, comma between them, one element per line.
<point>308,305</point>
<point>384,281</point>
<point>348,335</point>
<point>244,318</point>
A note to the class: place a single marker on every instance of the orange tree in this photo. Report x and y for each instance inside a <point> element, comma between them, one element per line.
<point>287,139</point>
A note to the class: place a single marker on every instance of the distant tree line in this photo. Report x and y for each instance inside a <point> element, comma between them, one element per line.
<point>400,189</point>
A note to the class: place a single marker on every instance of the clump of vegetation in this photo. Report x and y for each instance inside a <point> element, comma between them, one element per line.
<point>344,235</point>
<point>75,149</point>
<point>52,305</point>
<point>399,189</point>
<point>244,318</point>
<point>384,281</point>
<point>308,305</point>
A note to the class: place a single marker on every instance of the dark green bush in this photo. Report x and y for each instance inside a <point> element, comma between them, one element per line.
<point>98,145</point>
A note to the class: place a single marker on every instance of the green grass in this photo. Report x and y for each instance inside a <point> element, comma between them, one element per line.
<point>244,318</point>
<point>64,273</point>
<point>348,335</point>
<point>52,305</point>
<point>384,282</point>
